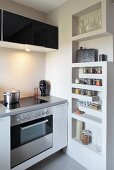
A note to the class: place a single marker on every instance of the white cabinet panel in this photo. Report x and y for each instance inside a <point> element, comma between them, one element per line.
<point>60,126</point>
<point>5,143</point>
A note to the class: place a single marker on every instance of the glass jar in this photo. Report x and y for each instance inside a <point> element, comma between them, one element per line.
<point>98,82</point>
<point>99,142</point>
<point>77,91</point>
<point>77,81</point>
<point>81,27</point>
<point>86,137</point>
<point>85,70</point>
<point>89,93</point>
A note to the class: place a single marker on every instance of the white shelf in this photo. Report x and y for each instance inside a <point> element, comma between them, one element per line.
<point>87,87</point>
<point>90,146</point>
<point>90,35</point>
<point>90,64</point>
<point>85,97</point>
<point>97,122</point>
<point>91,76</point>
<point>90,111</point>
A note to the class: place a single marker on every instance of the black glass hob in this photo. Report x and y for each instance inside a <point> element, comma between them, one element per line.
<point>24,102</point>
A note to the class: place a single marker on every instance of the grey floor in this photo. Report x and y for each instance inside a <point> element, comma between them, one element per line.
<point>58,161</point>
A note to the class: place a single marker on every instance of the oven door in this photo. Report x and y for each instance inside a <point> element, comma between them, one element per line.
<point>31,138</point>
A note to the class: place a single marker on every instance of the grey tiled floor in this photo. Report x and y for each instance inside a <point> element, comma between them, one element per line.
<point>58,161</point>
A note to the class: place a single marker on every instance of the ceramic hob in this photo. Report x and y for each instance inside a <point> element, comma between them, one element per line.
<point>24,102</point>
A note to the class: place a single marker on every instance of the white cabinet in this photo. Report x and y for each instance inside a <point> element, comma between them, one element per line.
<point>60,126</point>
<point>5,143</point>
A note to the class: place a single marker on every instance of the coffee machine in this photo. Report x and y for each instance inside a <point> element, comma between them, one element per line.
<point>44,88</point>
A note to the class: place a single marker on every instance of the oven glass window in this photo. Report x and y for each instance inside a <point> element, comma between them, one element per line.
<point>30,131</point>
<point>33,132</point>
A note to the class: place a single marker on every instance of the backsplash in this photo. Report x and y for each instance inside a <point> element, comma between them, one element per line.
<point>21,70</point>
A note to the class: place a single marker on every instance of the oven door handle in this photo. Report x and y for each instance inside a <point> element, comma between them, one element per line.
<point>30,126</point>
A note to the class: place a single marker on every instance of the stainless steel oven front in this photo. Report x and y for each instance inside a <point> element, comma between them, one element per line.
<point>31,134</point>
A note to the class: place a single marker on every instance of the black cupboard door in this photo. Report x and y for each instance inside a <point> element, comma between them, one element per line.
<point>17,28</point>
<point>45,35</point>
<point>52,37</point>
<point>39,34</point>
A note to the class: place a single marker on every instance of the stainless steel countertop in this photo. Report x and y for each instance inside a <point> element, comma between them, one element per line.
<point>52,101</point>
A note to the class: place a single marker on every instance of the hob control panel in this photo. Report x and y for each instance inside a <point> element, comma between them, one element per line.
<point>29,116</point>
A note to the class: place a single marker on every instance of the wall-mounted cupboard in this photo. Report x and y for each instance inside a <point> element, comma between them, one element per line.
<point>23,30</point>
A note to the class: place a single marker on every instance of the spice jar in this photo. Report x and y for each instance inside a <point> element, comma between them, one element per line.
<point>94,82</point>
<point>89,92</point>
<point>99,70</point>
<point>98,82</point>
<point>94,93</point>
<point>96,106</point>
<point>90,81</point>
<point>91,70</point>
<point>83,81</point>
<point>77,81</point>
<point>83,92</point>
<point>85,70</point>
<point>77,91</point>
<point>86,137</point>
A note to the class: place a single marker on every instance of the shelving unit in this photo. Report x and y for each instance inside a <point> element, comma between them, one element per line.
<point>91,147</point>
<point>94,120</point>
<point>91,111</point>
<point>88,87</point>
<point>91,35</point>
<point>85,97</point>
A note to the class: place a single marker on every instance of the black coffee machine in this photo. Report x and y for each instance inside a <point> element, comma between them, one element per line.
<point>44,88</point>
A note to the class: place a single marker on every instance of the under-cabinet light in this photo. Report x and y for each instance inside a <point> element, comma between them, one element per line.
<point>28,49</point>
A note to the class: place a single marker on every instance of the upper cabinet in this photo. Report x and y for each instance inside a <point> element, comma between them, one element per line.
<point>22,30</point>
<point>16,28</point>
<point>45,35</point>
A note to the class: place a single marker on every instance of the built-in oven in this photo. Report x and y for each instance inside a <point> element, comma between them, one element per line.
<point>31,134</point>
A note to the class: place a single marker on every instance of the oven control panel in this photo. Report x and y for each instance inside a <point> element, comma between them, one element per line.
<point>29,116</point>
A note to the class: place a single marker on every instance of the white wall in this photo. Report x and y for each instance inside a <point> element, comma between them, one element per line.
<point>20,69</point>
<point>58,64</point>
<point>22,10</point>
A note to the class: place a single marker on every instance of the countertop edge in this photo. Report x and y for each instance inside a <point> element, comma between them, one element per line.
<point>52,101</point>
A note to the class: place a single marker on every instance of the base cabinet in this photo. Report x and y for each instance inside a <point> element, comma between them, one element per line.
<point>59,139</point>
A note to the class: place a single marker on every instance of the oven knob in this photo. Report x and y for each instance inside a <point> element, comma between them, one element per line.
<point>18,120</point>
<point>39,114</point>
<point>36,114</point>
<point>47,112</point>
<point>27,117</point>
<point>43,113</point>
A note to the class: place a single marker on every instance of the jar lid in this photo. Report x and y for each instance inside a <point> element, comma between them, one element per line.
<point>87,132</point>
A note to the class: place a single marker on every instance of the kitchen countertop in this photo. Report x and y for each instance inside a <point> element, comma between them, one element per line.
<point>52,101</point>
